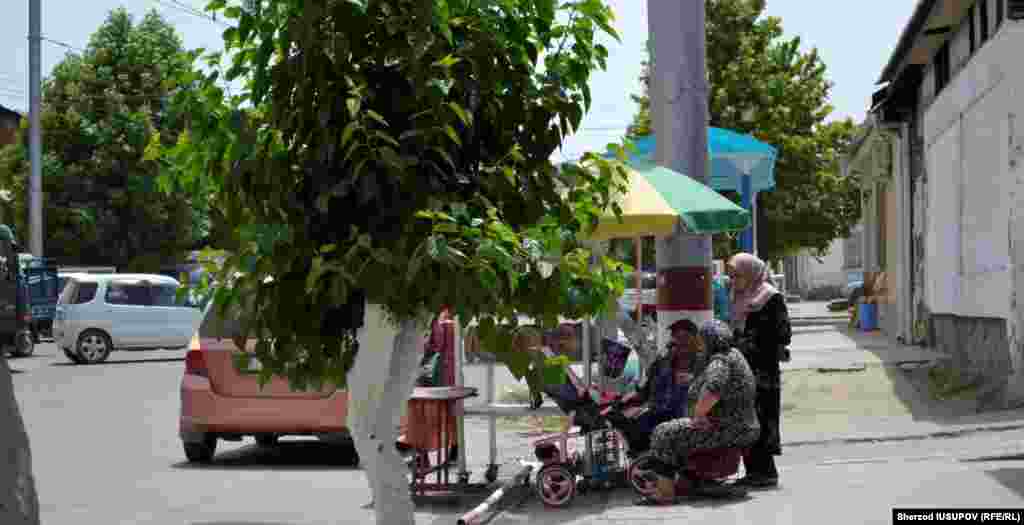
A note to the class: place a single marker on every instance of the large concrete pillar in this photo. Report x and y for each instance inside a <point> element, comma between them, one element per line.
<point>679,111</point>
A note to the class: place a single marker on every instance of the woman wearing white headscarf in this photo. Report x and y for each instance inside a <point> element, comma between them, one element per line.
<point>760,322</point>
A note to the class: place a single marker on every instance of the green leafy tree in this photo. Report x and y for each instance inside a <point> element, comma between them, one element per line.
<point>100,110</point>
<point>762,84</point>
<point>398,151</point>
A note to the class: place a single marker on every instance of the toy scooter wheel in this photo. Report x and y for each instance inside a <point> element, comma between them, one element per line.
<point>641,475</point>
<point>556,485</point>
<point>492,474</point>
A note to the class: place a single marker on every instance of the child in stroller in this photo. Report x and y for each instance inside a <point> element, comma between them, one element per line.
<point>605,419</point>
<point>661,397</point>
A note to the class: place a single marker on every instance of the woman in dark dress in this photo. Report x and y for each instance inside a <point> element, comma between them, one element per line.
<point>761,323</point>
<point>724,415</point>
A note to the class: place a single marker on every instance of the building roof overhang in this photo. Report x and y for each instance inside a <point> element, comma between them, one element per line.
<point>870,156</point>
<point>930,25</point>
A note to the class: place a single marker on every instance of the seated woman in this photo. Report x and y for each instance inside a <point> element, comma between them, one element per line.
<point>665,390</point>
<point>724,415</point>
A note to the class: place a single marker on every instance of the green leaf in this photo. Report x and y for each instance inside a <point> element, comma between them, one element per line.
<point>377,117</point>
<point>447,158</point>
<point>346,134</point>
<point>154,148</point>
<point>452,134</point>
<point>353,104</point>
<point>441,18</point>
<point>315,272</point>
<point>437,247</point>
<point>391,157</point>
<point>461,113</point>
<point>386,138</point>
<point>447,62</point>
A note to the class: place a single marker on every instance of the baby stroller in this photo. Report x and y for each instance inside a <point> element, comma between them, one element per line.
<point>563,473</point>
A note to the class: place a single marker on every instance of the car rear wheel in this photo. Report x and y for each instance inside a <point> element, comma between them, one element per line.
<point>266,440</point>
<point>93,347</point>
<point>25,344</point>
<point>201,451</point>
<point>345,444</point>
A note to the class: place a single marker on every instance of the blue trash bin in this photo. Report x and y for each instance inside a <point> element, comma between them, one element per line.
<point>868,315</point>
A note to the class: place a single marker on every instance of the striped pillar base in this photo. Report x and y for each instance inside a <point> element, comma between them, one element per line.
<point>684,282</point>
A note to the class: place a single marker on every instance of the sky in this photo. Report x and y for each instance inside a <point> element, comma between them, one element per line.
<point>854,39</point>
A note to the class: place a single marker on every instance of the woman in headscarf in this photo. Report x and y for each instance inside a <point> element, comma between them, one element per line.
<point>665,389</point>
<point>722,404</point>
<point>761,323</point>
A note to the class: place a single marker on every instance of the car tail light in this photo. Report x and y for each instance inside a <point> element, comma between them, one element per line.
<point>195,363</point>
<point>25,318</point>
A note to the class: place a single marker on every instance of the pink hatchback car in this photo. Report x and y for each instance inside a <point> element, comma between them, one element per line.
<point>219,401</point>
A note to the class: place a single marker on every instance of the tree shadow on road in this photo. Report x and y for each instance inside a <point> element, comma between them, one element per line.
<point>128,361</point>
<point>239,523</point>
<point>1011,478</point>
<point>612,505</point>
<point>302,455</point>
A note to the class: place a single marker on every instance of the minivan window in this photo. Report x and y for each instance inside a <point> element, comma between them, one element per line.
<point>132,294</point>
<point>165,295</point>
<point>79,293</point>
<point>85,293</point>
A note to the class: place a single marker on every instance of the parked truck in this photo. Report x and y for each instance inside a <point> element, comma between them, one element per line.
<point>16,334</point>
<point>44,287</point>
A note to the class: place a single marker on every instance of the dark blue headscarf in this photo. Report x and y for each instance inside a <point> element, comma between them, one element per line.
<point>717,337</point>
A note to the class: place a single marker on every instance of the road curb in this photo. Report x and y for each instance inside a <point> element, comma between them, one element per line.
<point>939,434</point>
<point>818,321</point>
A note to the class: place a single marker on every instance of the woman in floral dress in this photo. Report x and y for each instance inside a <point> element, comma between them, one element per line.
<point>722,400</point>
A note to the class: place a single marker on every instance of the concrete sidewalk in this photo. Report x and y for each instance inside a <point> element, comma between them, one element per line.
<point>841,346</point>
<point>836,494</point>
<point>805,311</point>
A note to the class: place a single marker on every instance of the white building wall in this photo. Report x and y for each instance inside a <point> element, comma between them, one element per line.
<point>824,271</point>
<point>966,132</point>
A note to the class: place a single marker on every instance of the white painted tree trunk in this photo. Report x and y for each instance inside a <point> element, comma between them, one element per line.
<point>380,384</point>
<point>18,501</point>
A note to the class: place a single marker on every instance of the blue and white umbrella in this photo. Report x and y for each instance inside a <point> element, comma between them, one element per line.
<point>732,155</point>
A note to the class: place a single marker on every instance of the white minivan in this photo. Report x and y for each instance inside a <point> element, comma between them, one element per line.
<point>97,314</point>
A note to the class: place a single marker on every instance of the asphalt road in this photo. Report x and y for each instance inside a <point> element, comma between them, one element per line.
<point>106,451</point>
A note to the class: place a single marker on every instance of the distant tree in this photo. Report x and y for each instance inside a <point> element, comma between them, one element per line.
<point>762,84</point>
<point>100,110</point>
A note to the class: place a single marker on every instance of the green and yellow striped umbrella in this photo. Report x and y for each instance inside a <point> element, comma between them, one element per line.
<point>657,198</point>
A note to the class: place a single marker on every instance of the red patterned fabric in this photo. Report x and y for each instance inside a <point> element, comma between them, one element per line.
<point>424,431</point>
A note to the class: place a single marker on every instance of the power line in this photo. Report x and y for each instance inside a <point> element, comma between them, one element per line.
<point>61,44</point>
<point>190,10</point>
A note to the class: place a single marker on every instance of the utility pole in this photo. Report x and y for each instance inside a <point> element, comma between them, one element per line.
<point>679,111</point>
<point>35,142</point>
